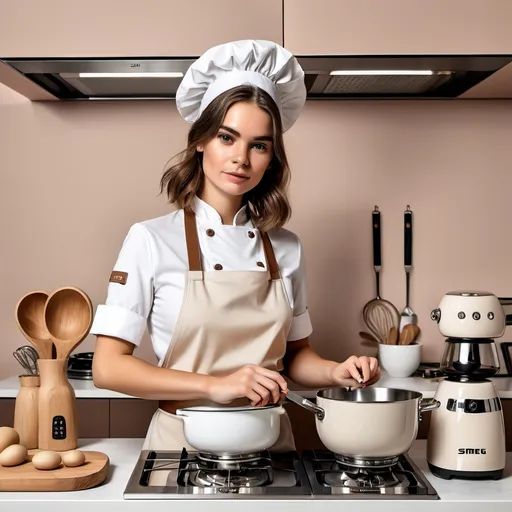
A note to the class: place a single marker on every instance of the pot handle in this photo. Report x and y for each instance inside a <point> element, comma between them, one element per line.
<point>280,410</point>
<point>304,402</point>
<point>428,404</point>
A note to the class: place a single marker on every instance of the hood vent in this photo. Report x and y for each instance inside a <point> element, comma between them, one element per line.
<point>392,83</point>
<point>397,77</point>
<point>95,79</point>
<point>327,77</point>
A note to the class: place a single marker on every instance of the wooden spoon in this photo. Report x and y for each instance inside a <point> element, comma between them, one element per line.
<point>409,334</point>
<point>392,337</point>
<point>415,332</point>
<point>68,317</point>
<point>30,320</point>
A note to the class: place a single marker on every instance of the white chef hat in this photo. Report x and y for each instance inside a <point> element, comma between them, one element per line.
<point>263,64</point>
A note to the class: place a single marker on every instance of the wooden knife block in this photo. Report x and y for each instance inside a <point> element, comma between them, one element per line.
<point>57,407</point>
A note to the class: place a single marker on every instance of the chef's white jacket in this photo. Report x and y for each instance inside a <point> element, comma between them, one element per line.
<point>154,256</point>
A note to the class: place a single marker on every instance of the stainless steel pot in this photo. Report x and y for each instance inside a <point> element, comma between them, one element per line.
<point>367,426</point>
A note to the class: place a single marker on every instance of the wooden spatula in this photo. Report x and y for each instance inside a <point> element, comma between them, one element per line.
<point>392,336</point>
<point>409,334</point>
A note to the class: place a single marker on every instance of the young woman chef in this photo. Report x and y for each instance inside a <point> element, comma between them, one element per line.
<point>219,282</point>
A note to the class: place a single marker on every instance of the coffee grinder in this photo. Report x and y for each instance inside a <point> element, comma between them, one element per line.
<point>467,432</point>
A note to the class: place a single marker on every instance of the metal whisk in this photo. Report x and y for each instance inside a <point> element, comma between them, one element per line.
<point>27,356</point>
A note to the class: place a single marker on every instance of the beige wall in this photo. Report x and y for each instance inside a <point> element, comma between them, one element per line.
<point>75,176</point>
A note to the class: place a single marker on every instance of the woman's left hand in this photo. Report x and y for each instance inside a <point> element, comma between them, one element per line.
<point>356,372</point>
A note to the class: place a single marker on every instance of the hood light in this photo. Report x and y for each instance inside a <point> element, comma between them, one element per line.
<point>382,72</point>
<point>131,75</point>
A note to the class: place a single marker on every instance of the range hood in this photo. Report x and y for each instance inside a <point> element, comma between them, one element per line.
<point>327,77</point>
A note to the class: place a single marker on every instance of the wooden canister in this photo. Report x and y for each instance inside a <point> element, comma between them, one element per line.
<point>26,411</point>
<point>57,407</point>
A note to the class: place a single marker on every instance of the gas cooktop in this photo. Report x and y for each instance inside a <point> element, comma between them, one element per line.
<point>315,475</point>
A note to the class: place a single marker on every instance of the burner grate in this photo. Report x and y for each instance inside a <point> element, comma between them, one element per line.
<point>329,476</point>
<point>359,478</point>
<point>229,479</point>
<point>228,473</point>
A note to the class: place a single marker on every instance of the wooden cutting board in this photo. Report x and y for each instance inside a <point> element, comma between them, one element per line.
<point>26,477</point>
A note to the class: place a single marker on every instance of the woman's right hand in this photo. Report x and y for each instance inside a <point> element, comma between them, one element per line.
<point>259,385</point>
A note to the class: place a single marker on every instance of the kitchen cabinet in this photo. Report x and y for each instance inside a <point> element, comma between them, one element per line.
<point>130,417</point>
<point>100,417</point>
<point>93,416</point>
<point>116,28</point>
<point>400,27</point>
<point>6,412</point>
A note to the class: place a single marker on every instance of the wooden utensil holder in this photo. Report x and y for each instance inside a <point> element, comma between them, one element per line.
<point>57,407</point>
<point>26,411</point>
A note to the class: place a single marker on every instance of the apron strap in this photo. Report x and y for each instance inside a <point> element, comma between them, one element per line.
<point>270,256</point>
<point>194,253</point>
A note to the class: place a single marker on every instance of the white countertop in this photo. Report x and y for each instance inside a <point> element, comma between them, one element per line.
<point>86,389</point>
<point>83,389</point>
<point>455,495</point>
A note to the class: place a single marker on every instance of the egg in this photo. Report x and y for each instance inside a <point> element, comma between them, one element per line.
<point>46,460</point>
<point>13,455</point>
<point>8,436</point>
<point>73,458</point>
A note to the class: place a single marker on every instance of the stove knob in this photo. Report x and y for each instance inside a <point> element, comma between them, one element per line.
<point>476,315</point>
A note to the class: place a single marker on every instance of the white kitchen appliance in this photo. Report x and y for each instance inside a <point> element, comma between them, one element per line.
<point>467,432</point>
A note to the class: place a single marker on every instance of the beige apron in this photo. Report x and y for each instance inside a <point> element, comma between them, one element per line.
<point>227,320</point>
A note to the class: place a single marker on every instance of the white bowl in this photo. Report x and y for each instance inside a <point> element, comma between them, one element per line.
<point>400,360</point>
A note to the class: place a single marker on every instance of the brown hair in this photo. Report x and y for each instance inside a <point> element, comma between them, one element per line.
<point>268,203</point>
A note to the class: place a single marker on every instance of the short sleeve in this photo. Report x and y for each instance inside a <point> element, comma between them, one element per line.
<point>301,323</point>
<point>129,300</point>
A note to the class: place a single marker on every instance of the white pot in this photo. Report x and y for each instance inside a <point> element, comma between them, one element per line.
<point>367,423</point>
<point>400,360</point>
<point>231,430</point>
